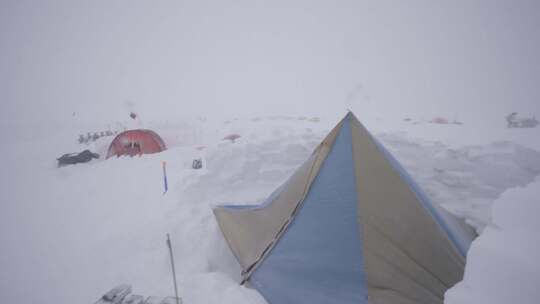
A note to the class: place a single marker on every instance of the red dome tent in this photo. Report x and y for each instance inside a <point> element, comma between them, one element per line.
<point>133,142</point>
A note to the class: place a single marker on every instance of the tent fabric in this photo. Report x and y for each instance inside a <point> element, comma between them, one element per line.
<point>460,233</point>
<point>312,253</point>
<point>133,142</point>
<point>251,230</point>
<point>350,226</point>
<point>407,253</point>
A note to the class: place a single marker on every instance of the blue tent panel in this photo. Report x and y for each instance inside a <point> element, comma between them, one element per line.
<point>319,258</point>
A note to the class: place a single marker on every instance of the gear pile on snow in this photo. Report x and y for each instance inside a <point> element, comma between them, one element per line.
<point>513,121</point>
<point>75,158</point>
<point>122,295</point>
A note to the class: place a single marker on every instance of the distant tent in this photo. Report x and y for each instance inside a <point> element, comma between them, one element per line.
<point>136,142</point>
<point>349,226</point>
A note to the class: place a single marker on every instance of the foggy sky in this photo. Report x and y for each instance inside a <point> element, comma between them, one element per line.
<point>177,58</point>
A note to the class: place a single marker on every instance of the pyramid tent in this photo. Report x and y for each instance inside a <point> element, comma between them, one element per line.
<point>349,226</point>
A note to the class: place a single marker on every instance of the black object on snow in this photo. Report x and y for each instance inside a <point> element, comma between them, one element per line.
<point>74,158</point>
<point>197,163</point>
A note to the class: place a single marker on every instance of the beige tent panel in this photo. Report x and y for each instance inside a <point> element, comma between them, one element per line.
<point>387,296</point>
<point>398,273</point>
<point>406,253</point>
<point>251,232</point>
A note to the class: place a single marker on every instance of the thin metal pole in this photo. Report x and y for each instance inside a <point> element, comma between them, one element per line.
<point>173,271</point>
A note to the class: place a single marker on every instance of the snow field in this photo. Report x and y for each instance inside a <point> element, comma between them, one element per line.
<point>71,234</point>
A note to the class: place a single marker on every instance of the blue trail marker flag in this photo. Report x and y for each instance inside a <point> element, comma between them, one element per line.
<point>164,165</point>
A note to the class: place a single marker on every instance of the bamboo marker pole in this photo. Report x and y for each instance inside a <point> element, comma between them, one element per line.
<point>173,271</point>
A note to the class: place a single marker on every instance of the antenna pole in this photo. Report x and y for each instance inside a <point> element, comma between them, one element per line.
<point>173,271</point>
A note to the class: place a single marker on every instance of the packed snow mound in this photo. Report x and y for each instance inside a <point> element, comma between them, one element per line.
<point>502,264</point>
